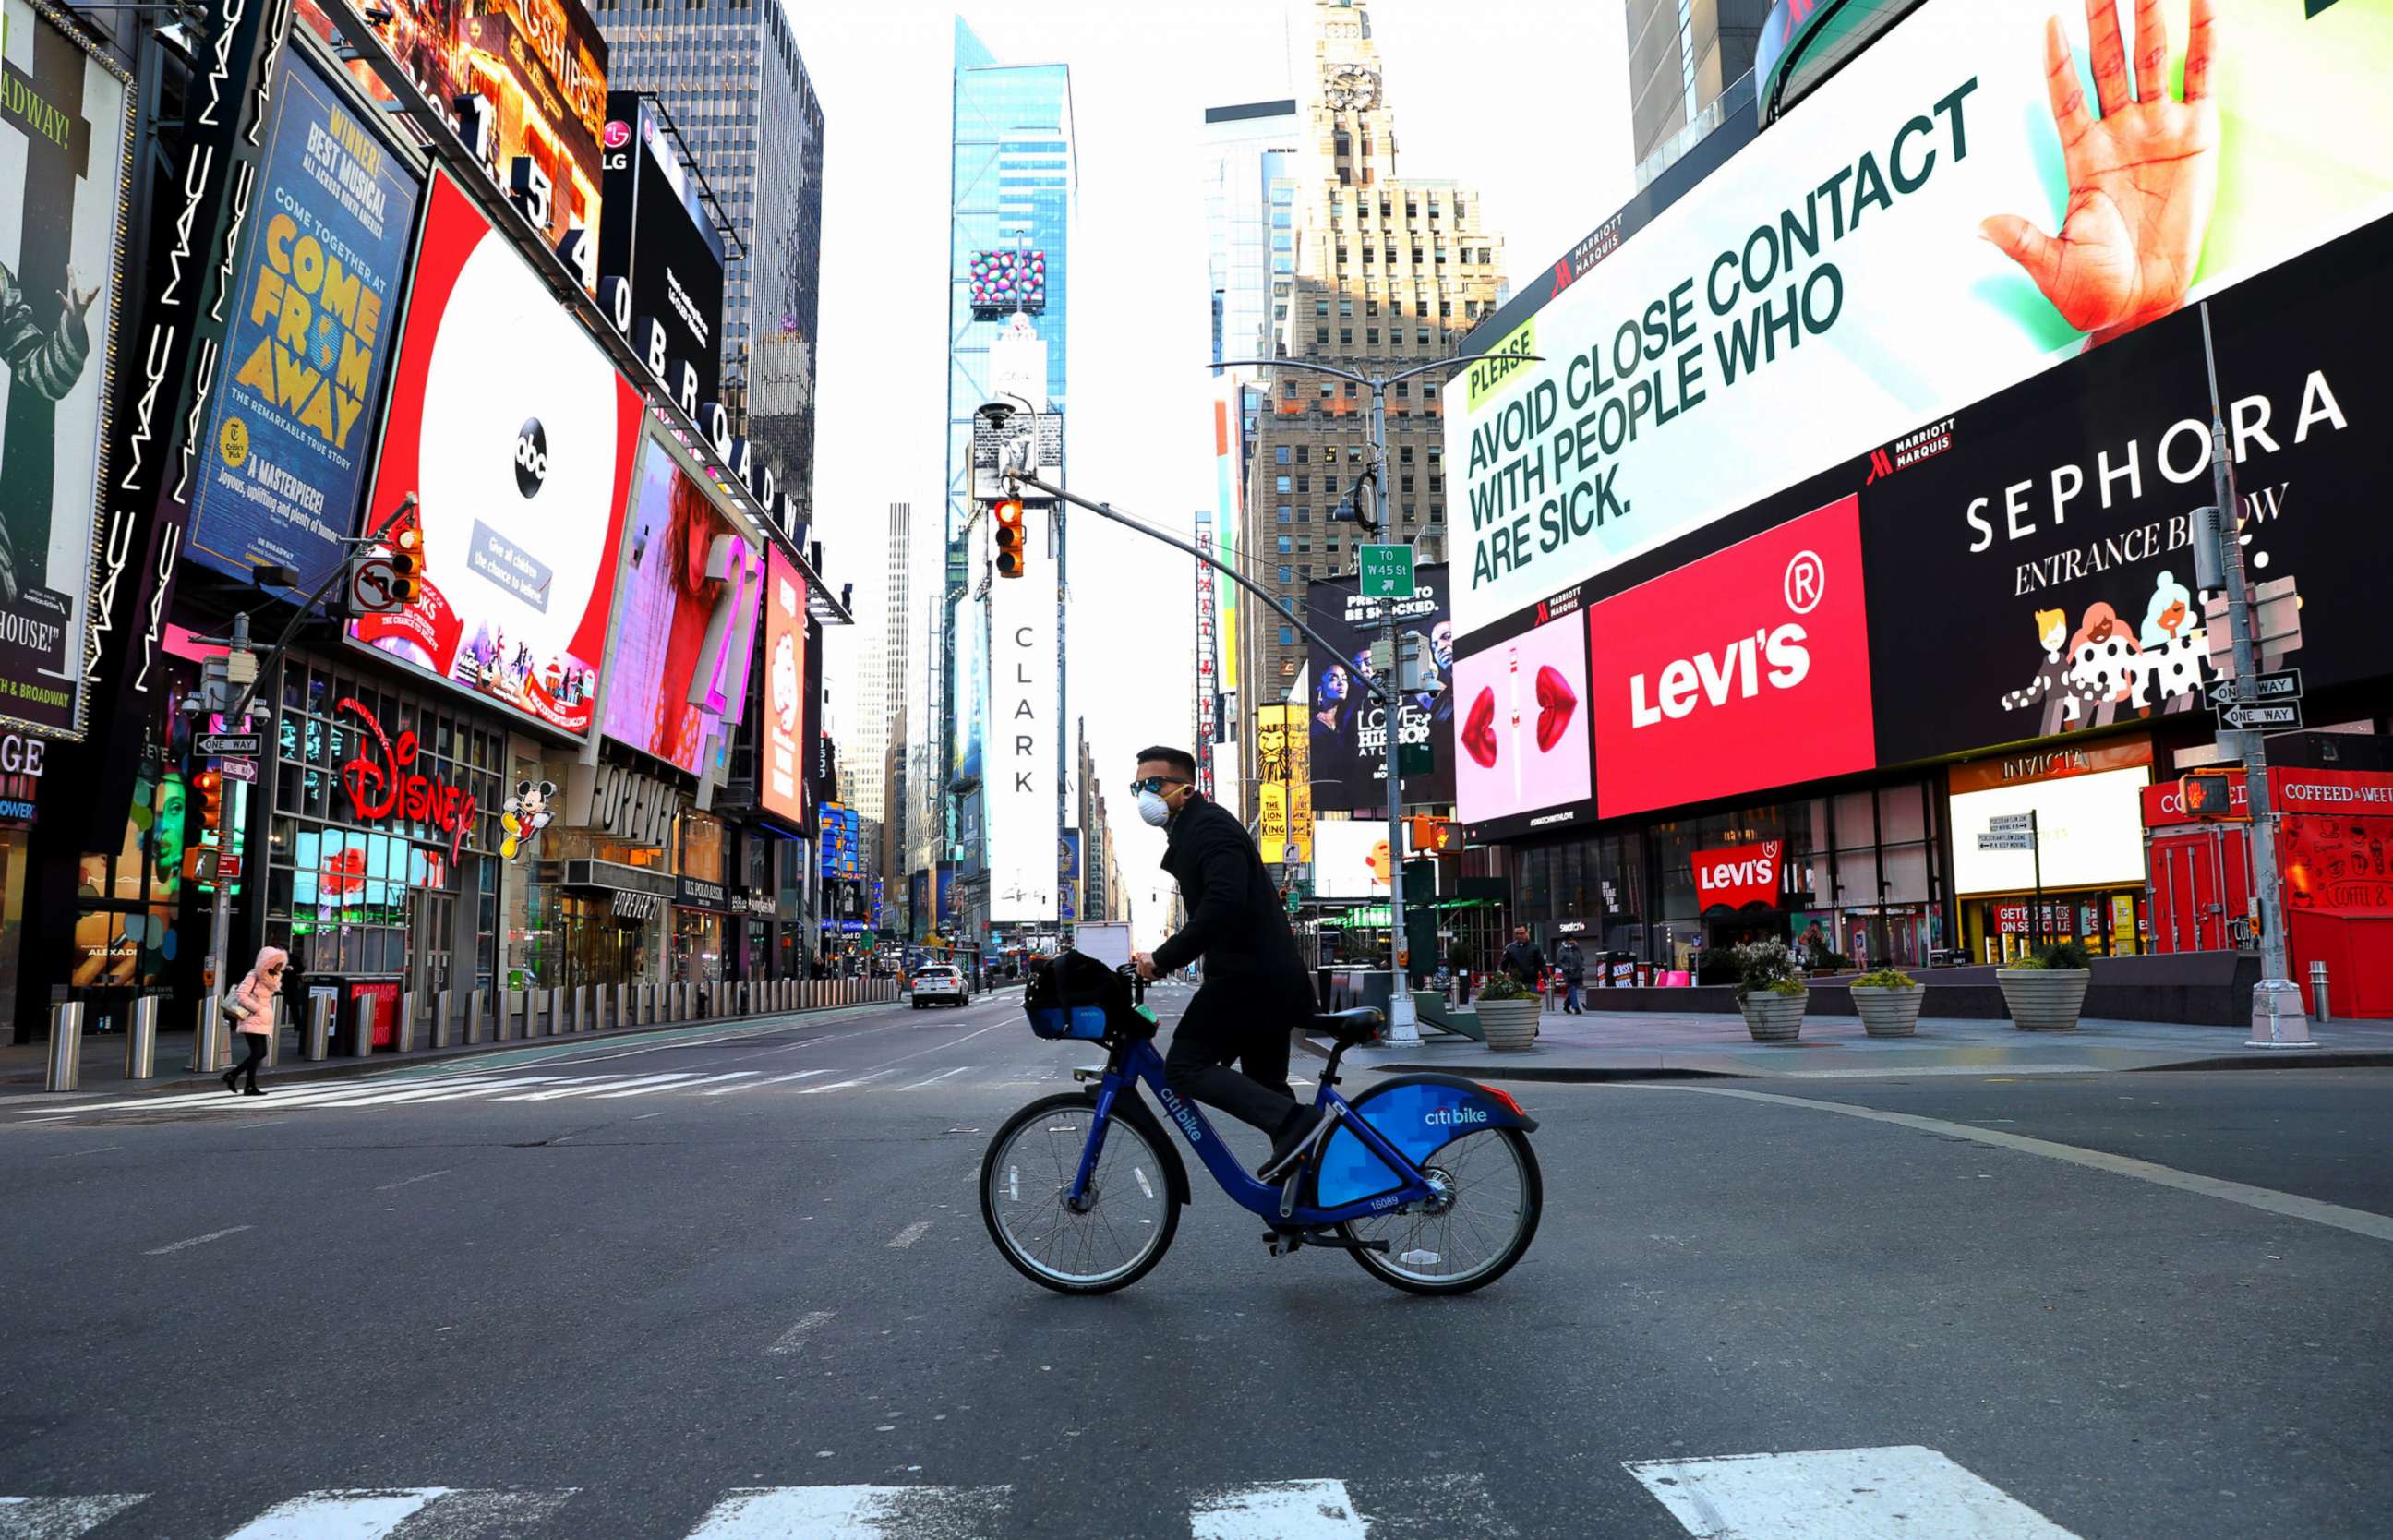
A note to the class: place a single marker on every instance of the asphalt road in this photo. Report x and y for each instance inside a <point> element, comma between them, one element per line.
<point>736,1283</point>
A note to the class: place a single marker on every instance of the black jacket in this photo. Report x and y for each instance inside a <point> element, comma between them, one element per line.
<point>1234,920</point>
<point>1525,963</point>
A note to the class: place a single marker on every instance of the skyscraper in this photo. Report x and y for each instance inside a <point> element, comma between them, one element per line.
<point>729,75</point>
<point>1386,273</point>
<point>879,689</point>
<point>1682,59</point>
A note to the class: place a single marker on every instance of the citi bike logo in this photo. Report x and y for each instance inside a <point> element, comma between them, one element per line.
<point>1453,1116</point>
<point>531,458</point>
<point>1186,1119</point>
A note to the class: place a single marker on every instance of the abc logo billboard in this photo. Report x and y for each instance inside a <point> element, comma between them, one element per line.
<point>1748,669</point>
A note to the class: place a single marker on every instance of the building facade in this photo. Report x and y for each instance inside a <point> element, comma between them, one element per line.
<point>1682,61</point>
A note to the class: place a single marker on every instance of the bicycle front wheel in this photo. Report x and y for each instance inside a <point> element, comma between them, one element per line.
<point>1491,1196</point>
<point>1026,1180</point>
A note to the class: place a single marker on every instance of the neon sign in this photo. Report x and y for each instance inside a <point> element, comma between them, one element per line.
<point>391,788</point>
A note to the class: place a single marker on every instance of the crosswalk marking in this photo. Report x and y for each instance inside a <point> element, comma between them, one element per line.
<point>935,1079</point>
<point>692,1084</point>
<point>1830,1493</point>
<point>59,1517</point>
<point>843,1085</point>
<point>772,1080</point>
<point>1279,1510</point>
<point>592,1088</point>
<point>853,1512</point>
<point>401,1513</point>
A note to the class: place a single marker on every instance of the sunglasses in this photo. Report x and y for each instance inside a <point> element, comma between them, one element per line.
<point>275,969</point>
<point>1154,784</point>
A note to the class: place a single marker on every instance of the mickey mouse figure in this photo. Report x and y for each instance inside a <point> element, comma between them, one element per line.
<point>523,815</point>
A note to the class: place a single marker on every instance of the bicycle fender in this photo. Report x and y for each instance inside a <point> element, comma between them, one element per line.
<point>1417,1113</point>
<point>1132,1109</point>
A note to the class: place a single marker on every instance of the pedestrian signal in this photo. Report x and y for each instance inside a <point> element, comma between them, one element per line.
<point>1013,543</point>
<point>2209,794</point>
<point>210,784</point>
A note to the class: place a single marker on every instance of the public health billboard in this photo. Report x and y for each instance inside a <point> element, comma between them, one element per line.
<point>1348,730</point>
<point>517,436</point>
<point>313,313</point>
<point>1980,196</point>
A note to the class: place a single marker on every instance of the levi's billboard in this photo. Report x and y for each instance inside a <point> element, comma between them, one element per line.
<point>1737,876</point>
<point>1748,669</point>
<point>516,435</point>
<point>1960,208</point>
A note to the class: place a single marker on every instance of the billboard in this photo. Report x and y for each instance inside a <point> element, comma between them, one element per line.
<point>685,622</point>
<point>1283,797</point>
<point>1004,281</point>
<point>1961,208</point>
<point>1520,741</point>
<point>782,737</point>
<point>1748,669</point>
<point>1350,859</point>
<point>659,238</point>
<point>1023,752</point>
<point>1068,876</point>
<point>517,436</point>
<point>1348,730</point>
<point>313,310</point>
<point>65,139</point>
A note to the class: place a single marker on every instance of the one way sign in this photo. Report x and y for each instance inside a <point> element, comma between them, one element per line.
<point>2285,685</point>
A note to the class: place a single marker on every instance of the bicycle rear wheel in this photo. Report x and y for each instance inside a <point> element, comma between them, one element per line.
<point>1026,1176</point>
<point>1493,1196</point>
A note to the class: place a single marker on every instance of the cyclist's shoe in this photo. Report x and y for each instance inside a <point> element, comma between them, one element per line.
<point>1294,1130</point>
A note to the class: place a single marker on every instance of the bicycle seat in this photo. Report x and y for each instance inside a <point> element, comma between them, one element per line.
<point>1348,1027</point>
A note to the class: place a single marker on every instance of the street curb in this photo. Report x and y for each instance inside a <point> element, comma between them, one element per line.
<point>1593,1074</point>
<point>2326,1058</point>
<point>301,1071</point>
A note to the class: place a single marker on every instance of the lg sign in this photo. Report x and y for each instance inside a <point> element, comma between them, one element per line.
<point>1750,668</point>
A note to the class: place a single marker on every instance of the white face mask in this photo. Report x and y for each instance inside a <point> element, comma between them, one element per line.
<point>1153,809</point>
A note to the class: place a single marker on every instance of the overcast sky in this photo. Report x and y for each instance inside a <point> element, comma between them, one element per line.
<point>1522,98</point>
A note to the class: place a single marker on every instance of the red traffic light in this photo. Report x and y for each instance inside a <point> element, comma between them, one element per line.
<point>1013,541</point>
<point>209,783</point>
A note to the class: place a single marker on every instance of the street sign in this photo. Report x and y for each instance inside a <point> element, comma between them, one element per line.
<point>2236,719</point>
<point>247,745</point>
<point>2010,823</point>
<point>1415,759</point>
<point>1387,572</point>
<point>2006,842</point>
<point>228,867</point>
<point>2284,684</point>
<point>238,769</point>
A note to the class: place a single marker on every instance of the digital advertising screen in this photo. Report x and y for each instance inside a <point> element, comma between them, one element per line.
<point>659,237</point>
<point>1960,208</point>
<point>782,734</point>
<point>1348,730</point>
<point>314,312</point>
<point>1519,744</point>
<point>684,621</point>
<point>517,437</point>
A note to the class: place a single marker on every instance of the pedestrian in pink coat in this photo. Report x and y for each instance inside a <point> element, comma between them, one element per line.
<point>252,1001</point>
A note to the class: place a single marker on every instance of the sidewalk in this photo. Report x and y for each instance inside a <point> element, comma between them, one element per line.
<point>1654,1046</point>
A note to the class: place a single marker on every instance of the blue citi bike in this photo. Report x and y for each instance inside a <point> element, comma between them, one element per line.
<point>1427,1181</point>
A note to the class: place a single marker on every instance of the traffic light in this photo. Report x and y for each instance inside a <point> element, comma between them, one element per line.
<point>210,785</point>
<point>406,583</point>
<point>1013,543</point>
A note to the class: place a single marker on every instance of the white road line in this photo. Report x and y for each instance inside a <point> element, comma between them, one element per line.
<point>102,1150</point>
<point>197,1240</point>
<point>853,1512</point>
<point>911,1234</point>
<point>1279,1510</point>
<point>1833,1494</point>
<point>795,1337</point>
<point>689,1085</point>
<point>409,1181</point>
<point>456,1092</point>
<point>935,1079</point>
<point>429,1512</point>
<point>60,1518</point>
<point>601,1084</point>
<point>843,1085</point>
<point>2267,1199</point>
<point>771,1080</point>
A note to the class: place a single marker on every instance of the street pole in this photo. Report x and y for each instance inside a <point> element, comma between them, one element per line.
<point>1063,733</point>
<point>2278,1018</point>
<point>2035,855</point>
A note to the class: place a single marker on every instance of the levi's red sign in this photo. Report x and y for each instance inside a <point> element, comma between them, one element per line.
<point>1750,668</point>
<point>390,787</point>
<point>1737,876</point>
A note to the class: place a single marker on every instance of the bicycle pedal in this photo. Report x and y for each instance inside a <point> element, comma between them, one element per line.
<point>1282,1241</point>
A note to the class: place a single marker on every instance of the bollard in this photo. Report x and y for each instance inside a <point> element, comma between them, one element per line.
<point>558,1025</point>
<point>141,1041</point>
<point>505,1030</point>
<point>208,1042</point>
<point>624,1006</point>
<point>361,1027</point>
<point>319,1027</point>
<point>585,1009</point>
<point>473,1018</point>
<point>274,1038</point>
<point>443,1005</point>
<point>2319,1004</point>
<point>402,1031</point>
<point>66,1047</point>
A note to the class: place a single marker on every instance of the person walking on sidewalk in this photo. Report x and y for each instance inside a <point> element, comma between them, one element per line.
<point>1571,965</point>
<point>1522,961</point>
<point>252,1002</point>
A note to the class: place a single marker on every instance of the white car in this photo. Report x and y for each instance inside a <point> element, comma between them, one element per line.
<point>939,982</point>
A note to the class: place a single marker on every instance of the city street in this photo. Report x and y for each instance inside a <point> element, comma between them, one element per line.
<point>734,1284</point>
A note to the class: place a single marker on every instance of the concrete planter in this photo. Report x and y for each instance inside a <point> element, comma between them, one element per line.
<point>1774,1018</point>
<point>2044,999</point>
<point>1511,1025</point>
<point>1888,1012</point>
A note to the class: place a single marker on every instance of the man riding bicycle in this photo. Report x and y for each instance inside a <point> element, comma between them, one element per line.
<point>1255,987</point>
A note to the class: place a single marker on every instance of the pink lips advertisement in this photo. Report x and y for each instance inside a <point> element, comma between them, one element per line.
<point>1520,724</point>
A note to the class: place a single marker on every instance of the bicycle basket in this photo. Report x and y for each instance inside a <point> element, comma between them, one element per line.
<point>1073,996</point>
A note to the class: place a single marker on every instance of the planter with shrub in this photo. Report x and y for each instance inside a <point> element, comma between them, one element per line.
<point>1508,1012</point>
<point>1889,1001</point>
<point>1769,991</point>
<point>2046,989</point>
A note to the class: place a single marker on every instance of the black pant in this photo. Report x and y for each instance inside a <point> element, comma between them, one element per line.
<point>255,1043</point>
<point>1244,1019</point>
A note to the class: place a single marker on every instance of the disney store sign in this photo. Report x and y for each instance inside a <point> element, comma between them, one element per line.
<point>385,784</point>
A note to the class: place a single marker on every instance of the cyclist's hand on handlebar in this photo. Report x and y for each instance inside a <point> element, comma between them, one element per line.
<point>1144,963</point>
